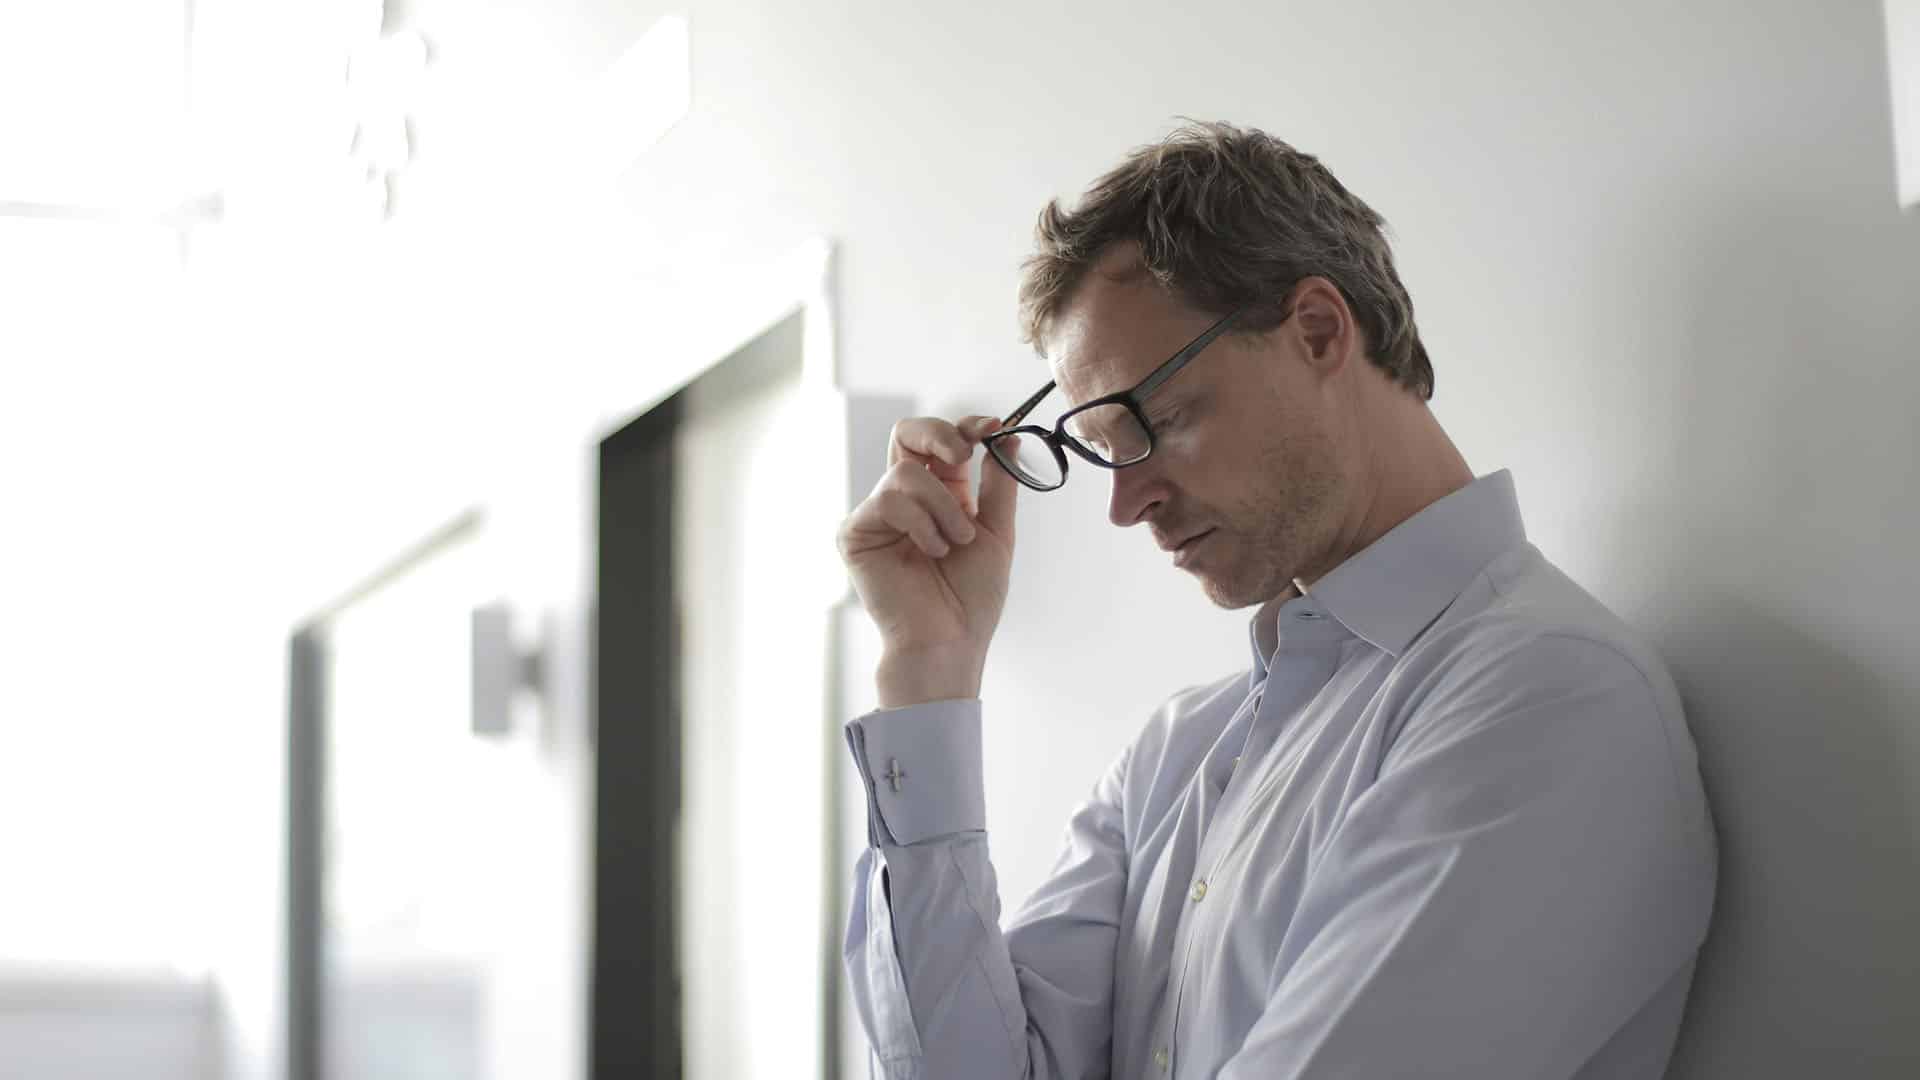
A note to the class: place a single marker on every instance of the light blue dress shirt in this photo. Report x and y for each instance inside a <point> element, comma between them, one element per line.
<point>1449,825</point>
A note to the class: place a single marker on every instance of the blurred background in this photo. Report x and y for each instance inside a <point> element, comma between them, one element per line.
<point>424,425</point>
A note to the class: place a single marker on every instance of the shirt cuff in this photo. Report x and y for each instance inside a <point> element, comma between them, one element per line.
<point>922,769</point>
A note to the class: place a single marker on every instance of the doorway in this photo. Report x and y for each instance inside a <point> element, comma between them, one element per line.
<point>708,867</point>
<point>714,807</point>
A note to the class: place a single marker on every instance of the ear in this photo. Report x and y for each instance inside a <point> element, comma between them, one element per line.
<point>1324,322</point>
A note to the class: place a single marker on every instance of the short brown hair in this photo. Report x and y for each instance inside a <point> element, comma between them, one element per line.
<point>1226,217</point>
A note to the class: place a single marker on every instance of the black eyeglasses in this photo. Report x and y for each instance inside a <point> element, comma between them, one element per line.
<point>1111,432</point>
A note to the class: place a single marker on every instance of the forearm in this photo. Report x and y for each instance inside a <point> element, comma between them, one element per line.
<point>931,973</point>
<point>924,930</point>
<point>941,990</point>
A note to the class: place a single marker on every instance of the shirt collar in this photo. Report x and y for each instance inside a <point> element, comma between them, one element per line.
<point>1394,588</point>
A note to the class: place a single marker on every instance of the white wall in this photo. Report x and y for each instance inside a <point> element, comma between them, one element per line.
<point>1655,254</point>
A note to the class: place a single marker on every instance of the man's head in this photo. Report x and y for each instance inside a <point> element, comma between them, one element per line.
<point>1263,441</point>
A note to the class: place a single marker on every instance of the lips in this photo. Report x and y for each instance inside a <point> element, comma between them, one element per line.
<point>1164,546</point>
<point>1184,553</point>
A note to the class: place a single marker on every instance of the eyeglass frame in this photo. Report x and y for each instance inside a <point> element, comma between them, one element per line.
<point>1133,398</point>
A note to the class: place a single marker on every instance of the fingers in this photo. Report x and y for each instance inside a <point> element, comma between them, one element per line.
<point>930,440</point>
<point>933,499</point>
<point>909,501</point>
<point>999,491</point>
<point>928,461</point>
<point>904,515</point>
<point>976,428</point>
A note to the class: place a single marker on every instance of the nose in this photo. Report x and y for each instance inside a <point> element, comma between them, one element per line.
<point>1135,490</point>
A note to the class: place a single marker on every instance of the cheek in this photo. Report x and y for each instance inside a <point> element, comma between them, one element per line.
<point>1210,454</point>
<point>1182,445</point>
<point>1199,435</point>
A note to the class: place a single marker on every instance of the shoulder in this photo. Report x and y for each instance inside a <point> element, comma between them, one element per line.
<point>1540,659</point>
<point>1533,634</point>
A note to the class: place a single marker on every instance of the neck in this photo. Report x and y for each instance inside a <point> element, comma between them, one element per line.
<point>1407,464</point>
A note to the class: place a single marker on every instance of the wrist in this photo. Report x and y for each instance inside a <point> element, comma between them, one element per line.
<point>904,679</point>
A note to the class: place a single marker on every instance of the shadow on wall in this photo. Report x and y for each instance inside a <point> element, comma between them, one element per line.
<point>1772,558</point>
<point>1809,969</point>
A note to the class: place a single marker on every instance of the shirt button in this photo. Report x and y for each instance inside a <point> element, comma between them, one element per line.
<point>1160,1058</point>
<point>1199,890</point>
<point>1235,765</point>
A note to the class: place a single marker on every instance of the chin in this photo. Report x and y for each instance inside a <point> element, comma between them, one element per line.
<point>1234,594</point>
<point>1223,595</point>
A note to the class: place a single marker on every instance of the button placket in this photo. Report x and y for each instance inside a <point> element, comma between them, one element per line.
<point>1305,674</point>
<point>1302,677</point>
<point>1184,927</point>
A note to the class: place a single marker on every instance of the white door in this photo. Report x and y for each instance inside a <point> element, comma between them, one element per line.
<point>749,529</point>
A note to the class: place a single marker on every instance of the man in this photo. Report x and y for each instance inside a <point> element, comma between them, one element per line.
<point>1450,824</point>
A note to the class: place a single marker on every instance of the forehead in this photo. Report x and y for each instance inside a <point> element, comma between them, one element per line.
<point>1110,334</point>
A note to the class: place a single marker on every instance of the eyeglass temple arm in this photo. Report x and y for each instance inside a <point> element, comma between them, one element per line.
<point>1166,370</point>
<point>1026,407</point>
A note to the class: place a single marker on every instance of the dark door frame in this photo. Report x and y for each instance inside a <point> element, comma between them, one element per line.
<point>634,986</point>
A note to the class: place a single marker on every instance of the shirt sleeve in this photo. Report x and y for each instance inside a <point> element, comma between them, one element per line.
<point>1522,877</point>
<point>942,991</point>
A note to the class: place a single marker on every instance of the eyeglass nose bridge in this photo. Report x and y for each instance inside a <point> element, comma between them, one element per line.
<point>1055,439</point>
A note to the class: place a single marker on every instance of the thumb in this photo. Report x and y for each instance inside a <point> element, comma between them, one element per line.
<point>999,491</point>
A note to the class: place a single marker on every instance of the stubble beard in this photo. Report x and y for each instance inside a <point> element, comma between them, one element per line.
<point>1281,528</point>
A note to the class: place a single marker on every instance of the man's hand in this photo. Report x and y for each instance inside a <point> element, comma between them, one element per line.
<point>930,565</point>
